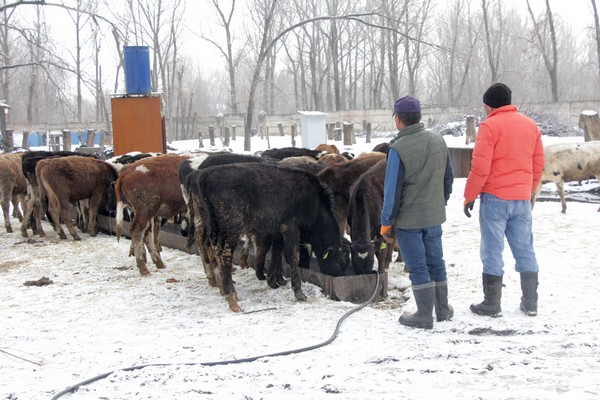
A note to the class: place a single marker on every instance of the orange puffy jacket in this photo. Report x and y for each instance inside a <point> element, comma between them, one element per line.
<point>508,157</point>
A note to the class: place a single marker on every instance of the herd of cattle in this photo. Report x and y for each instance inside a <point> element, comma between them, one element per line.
<point>293,202</point>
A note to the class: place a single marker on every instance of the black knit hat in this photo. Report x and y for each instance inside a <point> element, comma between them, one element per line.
<point>497,95</point>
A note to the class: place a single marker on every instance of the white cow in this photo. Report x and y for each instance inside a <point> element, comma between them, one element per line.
<point>569,162</point>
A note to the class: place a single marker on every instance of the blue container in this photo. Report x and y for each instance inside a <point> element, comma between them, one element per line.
<point>137,69</point>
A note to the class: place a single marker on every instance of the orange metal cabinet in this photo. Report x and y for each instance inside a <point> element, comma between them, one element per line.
<point>138,125</point>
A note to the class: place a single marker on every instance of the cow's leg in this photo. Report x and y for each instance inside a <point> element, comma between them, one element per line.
<point>27,213</point>
<point>5,201</point>
<point>138,228</point>
<point>246,253</point>
<point>66,218</point>
<point>226,264</point>
<point>262,243</point>
<point>275,273</point>
<point>94,203</point>
<point>561,193</point>
<point>150,241</point>
<point>16,201</point>
<point>291,239</point>
<point>56,211</point>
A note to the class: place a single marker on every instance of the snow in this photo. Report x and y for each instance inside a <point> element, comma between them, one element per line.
<point>100,315</point>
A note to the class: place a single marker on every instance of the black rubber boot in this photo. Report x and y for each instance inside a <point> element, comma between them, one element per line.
<point>443,311</point>
<point>424,297</point>
<point>529,284</point>
<point>492,292</point>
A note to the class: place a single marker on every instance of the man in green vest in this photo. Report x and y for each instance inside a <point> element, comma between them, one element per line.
<point>418,183</point>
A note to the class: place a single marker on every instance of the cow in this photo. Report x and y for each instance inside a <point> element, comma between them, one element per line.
<point>568,162</point>
<point>329,148</point>
<point>341,177</point>
<point>285,152</point>
<point>65,180</point>
<point>13,187</point>
<point>151,187</point>
<point>204,161</point>
<point>364,219</point>
<point>262,199</point>
<point>331,159</point>
<point>382,147</point>
<point>34,209</point>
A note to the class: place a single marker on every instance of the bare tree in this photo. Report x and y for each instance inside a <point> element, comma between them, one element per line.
<point>494,34</point>
<point>597,34</point>
<point>544,30</point>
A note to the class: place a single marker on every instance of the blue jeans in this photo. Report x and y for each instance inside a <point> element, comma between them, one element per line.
<point>511,218</point>
<point>422,252</point>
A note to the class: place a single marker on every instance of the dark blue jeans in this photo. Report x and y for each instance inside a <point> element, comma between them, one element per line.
<point>422,252</point>
<point>511,219</point>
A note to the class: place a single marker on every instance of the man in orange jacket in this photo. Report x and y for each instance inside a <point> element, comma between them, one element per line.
<point>506,168</point>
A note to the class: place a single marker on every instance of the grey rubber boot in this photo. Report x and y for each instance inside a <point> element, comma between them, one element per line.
<point>443,311</point>
<point>492,292</point>
<point>529,284</point>
<point>424,297</point>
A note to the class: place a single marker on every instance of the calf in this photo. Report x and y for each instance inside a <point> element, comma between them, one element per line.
<point>152,190</point>
<point>13,186</point>
<point>262,200</point>
<point>568,162</point>
<point>364,219</point>
<point>65,180</point>
<point>34,209</point>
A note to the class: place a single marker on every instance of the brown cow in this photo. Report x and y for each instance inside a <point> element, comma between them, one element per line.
<point>341,177</point>
<point>66,180</point>
<point>13,186</point>
<point>329,148</point>
<point>152,190</point>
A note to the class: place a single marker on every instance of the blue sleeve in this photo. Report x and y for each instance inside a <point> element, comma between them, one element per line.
<point>448,179</point>
<point>392,188</point>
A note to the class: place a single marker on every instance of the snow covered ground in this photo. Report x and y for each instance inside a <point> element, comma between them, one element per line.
<point>99,315</point>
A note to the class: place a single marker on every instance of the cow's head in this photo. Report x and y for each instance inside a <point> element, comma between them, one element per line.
<point>363,257</point>
<point>335,260</point>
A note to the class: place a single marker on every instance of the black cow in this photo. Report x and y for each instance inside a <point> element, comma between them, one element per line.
<point>285,152</point>
<point>364,219</point>
<point>262,199</point>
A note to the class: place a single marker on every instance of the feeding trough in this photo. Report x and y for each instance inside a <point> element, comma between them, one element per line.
<point>354,288</point>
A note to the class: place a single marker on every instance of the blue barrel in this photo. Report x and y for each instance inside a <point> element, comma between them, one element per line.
<point>137,69</point>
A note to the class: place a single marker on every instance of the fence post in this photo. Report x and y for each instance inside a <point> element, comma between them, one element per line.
<point>25,142</point>
<point>471,133</point>
<point>211,134</point>
<point>66,134</point>
<point>8,140</point>
<point>590,123</point>
<point>293,134</point>
<point>280,127</point>
<point>226,136</point>
<point>348,129</point>
<point>200,144</point>
<point>233,134</point>
<point>91,135</point>
<point>368,132</point>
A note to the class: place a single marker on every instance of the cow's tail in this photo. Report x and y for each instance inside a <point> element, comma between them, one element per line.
<point>120,209</point>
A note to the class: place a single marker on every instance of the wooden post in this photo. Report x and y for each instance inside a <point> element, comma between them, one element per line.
<point>268,141</point>
<point>293,134</point>
<point>280,127</point>
<point>348,130</point>
<point>368,134</point>
<point>471,134</point>
<point>211,134</point>
<point>233,135</point>
<point>8,140</point>
<point>330,131</point>
<point>66,134</point>
<point>337,134</point>
<point>226,136</point>
<point>200,144</point>
<point>91,135</point>
<point>590,123</point>
<point>25,142</point>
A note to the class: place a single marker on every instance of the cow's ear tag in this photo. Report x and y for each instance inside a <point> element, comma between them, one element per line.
<point>382,246</point>
<point>325,255</point>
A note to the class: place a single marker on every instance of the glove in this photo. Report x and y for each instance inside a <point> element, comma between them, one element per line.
<point>468,206</point>
<point>386,233</point>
